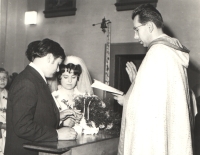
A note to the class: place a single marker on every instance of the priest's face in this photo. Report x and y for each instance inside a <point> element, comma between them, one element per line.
<point>69,80</point>
<point>141,32</point>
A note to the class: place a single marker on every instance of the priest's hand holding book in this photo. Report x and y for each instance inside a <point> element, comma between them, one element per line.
<point>118,95</point>
<point>120,98</point>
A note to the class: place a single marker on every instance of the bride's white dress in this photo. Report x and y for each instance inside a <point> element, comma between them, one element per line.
<point>63,99</point>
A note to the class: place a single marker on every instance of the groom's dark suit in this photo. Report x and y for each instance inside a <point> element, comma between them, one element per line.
<point>31,113</point>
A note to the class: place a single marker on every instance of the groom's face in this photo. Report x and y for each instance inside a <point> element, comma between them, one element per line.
<point>69,80</point>
<point>51,65</point>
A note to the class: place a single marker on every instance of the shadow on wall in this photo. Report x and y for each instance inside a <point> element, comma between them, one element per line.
<point>193,69</point>
<point>168,31</point>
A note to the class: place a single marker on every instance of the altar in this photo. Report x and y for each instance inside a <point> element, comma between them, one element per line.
<point>100,144</point>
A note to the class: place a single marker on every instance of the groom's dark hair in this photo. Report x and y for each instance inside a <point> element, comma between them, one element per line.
<point>39,49</point>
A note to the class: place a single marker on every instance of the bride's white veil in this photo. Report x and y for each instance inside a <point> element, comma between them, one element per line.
<point>84,82</point>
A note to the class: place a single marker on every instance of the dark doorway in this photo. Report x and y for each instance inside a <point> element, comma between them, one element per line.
<point>120,54</point>
<point>121,80</point>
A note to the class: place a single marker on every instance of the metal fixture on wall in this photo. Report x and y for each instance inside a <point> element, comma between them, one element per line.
<point>30,18</point>
<point>106,24</point>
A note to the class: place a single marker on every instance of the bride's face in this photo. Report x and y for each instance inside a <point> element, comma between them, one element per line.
<point>69,80</point>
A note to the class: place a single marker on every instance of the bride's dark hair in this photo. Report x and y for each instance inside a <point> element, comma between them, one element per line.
<point>77,70</point>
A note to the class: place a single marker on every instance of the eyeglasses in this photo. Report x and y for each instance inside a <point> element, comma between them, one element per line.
<point>136,28</point>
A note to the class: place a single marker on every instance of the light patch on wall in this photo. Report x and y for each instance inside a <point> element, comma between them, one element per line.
<point>30,17</point>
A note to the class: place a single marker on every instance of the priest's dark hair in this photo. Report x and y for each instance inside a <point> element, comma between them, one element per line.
<point>77,70</point>
<point>42,48</point>
<point>148,12</point>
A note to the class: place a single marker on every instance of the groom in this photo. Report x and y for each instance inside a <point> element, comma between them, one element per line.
<point>32,114</point>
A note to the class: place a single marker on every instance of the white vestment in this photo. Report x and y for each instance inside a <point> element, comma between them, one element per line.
<point>155,117</point>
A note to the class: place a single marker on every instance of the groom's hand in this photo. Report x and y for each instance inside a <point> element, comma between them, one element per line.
<point>66,133</point>
<point>69,122</point>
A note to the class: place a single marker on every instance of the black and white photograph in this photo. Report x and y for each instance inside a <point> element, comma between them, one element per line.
<point>99,77</point>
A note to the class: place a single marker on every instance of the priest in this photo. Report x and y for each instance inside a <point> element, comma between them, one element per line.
<point>155,109</point>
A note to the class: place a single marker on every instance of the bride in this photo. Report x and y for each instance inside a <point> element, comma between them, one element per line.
<point>73,80</point>
<point>84,82</point>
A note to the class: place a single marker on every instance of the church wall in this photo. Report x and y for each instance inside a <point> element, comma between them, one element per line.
<point>13,34</point>
<point>182,19</point>
<point>78,37</point>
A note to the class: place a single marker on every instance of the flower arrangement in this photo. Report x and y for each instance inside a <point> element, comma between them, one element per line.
<point>98,113</point>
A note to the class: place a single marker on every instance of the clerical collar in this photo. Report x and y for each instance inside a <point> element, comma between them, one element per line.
<point>162,35</point>
<point>39,70</point>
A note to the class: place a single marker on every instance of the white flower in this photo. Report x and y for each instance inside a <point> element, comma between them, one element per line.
<point>109,126</point>
<point>107,114</point>
<point>101,126</point>
<point>103,104</point>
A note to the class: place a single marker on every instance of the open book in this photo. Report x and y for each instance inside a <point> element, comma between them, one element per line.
<point>99,85</point>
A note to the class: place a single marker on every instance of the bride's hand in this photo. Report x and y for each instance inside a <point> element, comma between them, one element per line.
<point>70,122</point>
<point>69,112</point>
